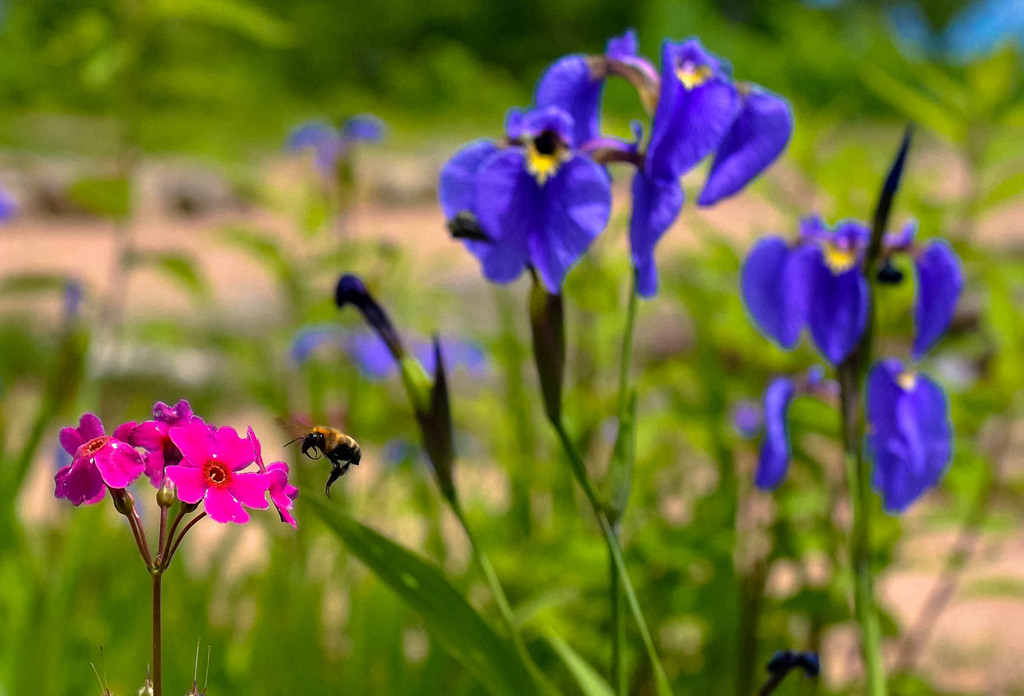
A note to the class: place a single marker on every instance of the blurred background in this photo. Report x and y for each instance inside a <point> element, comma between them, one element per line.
<point>163,243</point>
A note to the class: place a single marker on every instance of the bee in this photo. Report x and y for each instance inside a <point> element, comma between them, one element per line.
<point>341,450</point>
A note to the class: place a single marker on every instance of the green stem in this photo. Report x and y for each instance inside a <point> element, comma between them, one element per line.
<point>615,552</point>
<point>158,687</point>
<point>618,608</point>
<point>504,608</point>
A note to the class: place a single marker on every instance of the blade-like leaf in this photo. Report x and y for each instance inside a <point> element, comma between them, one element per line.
<point>590,682</point>
<point>446,614</point>
<point>244,19</point>
<point>179,267</point>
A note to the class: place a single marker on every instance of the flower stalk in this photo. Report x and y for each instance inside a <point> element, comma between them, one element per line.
<point>851,374</point>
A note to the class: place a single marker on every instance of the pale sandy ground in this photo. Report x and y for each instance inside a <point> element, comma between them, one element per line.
<point>978,644</point>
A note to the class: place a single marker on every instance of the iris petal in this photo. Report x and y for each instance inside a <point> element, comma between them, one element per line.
<point>940,280</point>
<point>759,134</point>
<point>509,208</point>
<point>569,84</point>
<point>776,452</point>
<point>838,312</point>
<point>656,205</point>
<point>910,435</point>
<point>775,289</point>
<point>457,188</point>
<point>689,123</point>
<point>576,204</point>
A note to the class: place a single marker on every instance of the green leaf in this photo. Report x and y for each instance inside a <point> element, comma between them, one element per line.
<point>103,196</point>
<point>29,283</point>
<point>243,19</point>
<point>913,103</point>
<point>446,614</point>
<point>1005,191</point>
<point>590,682</point>
<point>176,266</point>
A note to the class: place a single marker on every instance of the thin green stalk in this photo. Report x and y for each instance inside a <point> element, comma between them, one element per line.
<point>504,608</point>
<point>614,550</point>
<point>158,681</point>
<point>618,608</point>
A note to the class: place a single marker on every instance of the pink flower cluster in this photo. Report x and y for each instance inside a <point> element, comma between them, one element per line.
<point>202,462</point>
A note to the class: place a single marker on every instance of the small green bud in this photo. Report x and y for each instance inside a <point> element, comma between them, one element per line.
<point>123,501</point>
<point>547,320</point>
<point>166,495</point>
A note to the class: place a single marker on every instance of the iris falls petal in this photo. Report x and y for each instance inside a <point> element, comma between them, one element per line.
<point>656,205</point>
<point>775,452</point>
<point>940,280</point>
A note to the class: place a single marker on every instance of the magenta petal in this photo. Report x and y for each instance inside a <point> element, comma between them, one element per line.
<point>150,435</point>
<point>195,440</point>
<point>222,507</point>
<point>251,489</point>
<point>119,463</point>
<point>257,448</point>
<point>231,449</point>
<point>190,482</point>
<point>70,440</point>
<point>89,427</point>
<point>155,467</point>
<point>124,432</point>
<point>79,484</point>
<point>286,517</point>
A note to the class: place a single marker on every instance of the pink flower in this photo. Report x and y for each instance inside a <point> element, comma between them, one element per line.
<point>282,493</point>
<point>98,461</point>
<point>211,470</point>
<point>154,437</point>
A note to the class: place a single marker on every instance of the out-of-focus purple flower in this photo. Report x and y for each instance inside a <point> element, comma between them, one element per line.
<point>330,145</point>
<point>910,436</point>
<point>371,355</point>
<point>747,419</point>
<point>72,299</point>
<point>211,470</point>
<point>819,282</point>
<point>312,339</point>
<point>539,202</point>
<point>776,451</point>
<point>940,281</point>
<point>154,437</point>
<point>8,206</point>
<point>98,461</point>
<point>375,361</point>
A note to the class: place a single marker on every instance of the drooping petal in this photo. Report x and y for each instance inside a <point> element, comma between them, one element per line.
<point>775,289</point>
<point>940,280</point>
<point>282,494</point>
<point>222,507</point>
<point>656,205</point>
<point>509,208</point>
<point>190,482</point>
<point>234,451</point>
<point>570,84</point>
<point>195,440</point>
<point>910,435</point>
<point>119,463</point>
<point>691,118</point>
<point>577,202</point>
<point>80,484</point>
<point>457,187</point>
<point>155,464</point>
<point>759,134</point>
<point>776,451</point>
<point>838,309</point>
<point>251,489</point>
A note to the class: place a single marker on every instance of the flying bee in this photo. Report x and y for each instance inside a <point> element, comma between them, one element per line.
<point>341,450</point>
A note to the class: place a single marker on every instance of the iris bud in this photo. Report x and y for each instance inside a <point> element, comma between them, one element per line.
<point>547,320</point>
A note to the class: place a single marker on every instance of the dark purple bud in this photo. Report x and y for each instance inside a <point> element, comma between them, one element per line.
<point>352,290</point>
<point>435,423</point>
<point>547,321</point>
<point>889,188</point>
<point>785,661</point>
<point>888,274</point>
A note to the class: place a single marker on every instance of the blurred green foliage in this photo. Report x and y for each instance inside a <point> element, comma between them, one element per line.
<point>725,575</point>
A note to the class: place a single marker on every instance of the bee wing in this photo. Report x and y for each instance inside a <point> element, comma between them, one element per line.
<point>293,427</point>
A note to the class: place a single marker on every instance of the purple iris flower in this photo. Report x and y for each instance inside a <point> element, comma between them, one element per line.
<point>331,145</point>
<point>910,436</point>
<point>819,282</point>
<point>539,201</point>
<point>700,111</point>
<point>776,451</point>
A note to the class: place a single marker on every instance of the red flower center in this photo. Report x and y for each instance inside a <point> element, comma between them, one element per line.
<point>216,474</point>
<point>93,446</point>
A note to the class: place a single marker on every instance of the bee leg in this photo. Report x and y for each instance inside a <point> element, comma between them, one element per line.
<point>337,471</point>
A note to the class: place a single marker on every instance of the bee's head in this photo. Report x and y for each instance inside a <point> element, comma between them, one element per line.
<point>314,441</point>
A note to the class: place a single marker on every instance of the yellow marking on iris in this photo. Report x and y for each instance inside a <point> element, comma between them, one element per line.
<point>543,166</point>
<point>693,75</point>
<point>837,259</point>
<point>907,380</point>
